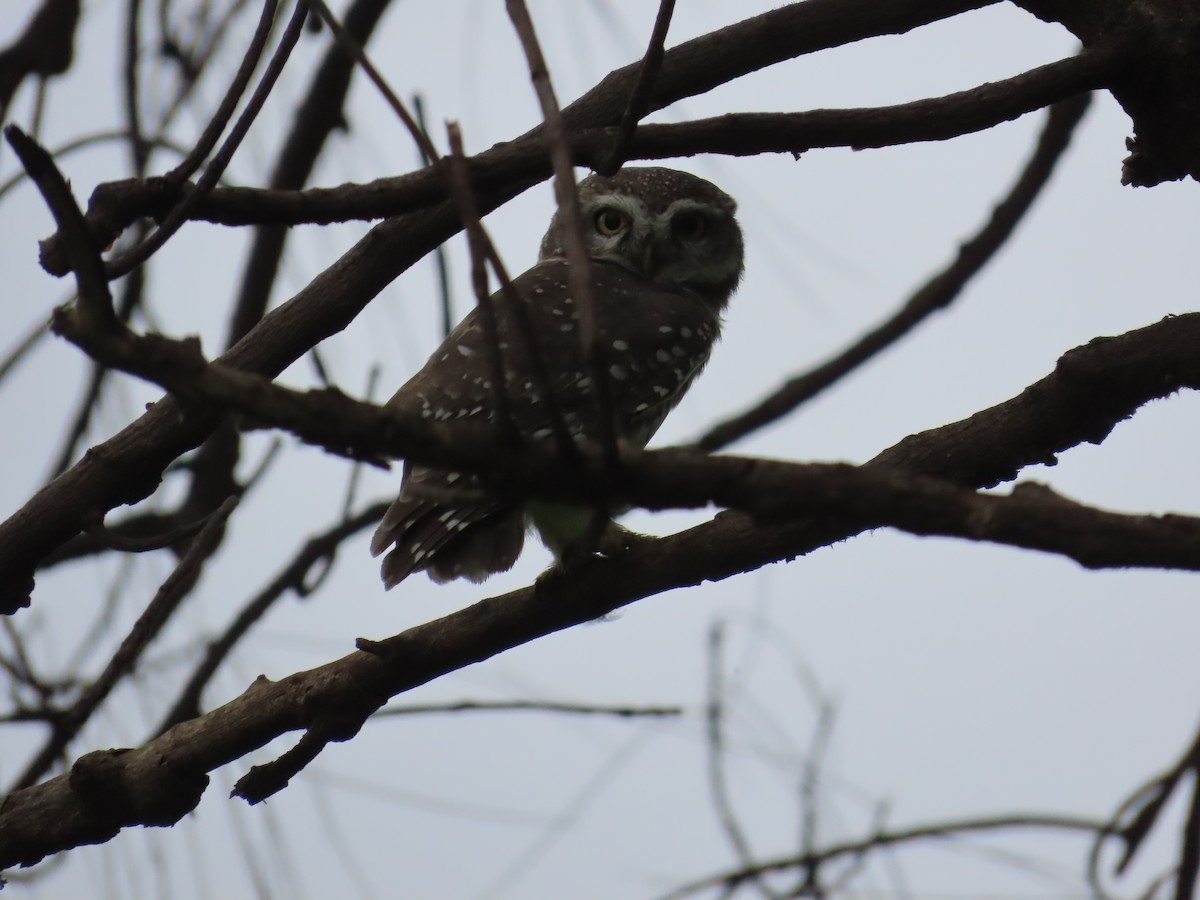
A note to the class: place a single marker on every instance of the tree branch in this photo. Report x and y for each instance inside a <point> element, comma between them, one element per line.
<point>937,293</point>
<point>1091,389</point>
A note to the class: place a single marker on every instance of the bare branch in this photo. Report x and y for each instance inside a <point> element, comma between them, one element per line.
<point>115,204</point>
<point>293,577</point>
<point>939,830</point>
<point>355,50</point>
<point>581,709</point>
<point>716,759</point>
<point>179,213</point>
<point>173,591</point>
<point>46,47</point>
<point>579,281</point>
<point>639,99</point>
<point>691,68</point>
<point>937,293</point>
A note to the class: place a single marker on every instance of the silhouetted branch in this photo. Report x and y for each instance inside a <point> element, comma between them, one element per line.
<point>937,830</point>
<point>115,204</point>
<point>1135,819</point>
<point>46,47</point>
<point>315,551</point>
<point>639,98</point>
<point>1091,389</point>
<point>580,709</point>
<point>68,723</point>
<point>715,755</point>
<point>569,218</point>
<point>180,211</point>
<point>937,293</point>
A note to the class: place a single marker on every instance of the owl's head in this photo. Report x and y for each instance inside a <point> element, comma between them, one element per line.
<point>666,226</point>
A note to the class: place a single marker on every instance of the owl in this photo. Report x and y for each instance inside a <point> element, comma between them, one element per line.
<point>666,255</point>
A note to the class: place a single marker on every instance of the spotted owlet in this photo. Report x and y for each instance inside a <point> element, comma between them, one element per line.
<point>666,255</point>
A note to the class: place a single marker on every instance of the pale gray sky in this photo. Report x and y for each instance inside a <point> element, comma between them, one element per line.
<point>968,679</point>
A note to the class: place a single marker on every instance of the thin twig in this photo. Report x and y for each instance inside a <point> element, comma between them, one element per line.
<point>131,298</point>
<point>179,213</point>
<point>441,264</point>
<point>570,220</point>
<point>879,840</point>
<point>24,347</point>
<point>217,123</point>
<point>317,117</point>
<point>356,470</point>
<point>115,205</point>
<point>716,755</point>
<point>85,141</point>
<point>639,97</point>
<point>937,293</point>
<point>460,190</point>
<point>177,586</point>
<point>1137,815</point>
<point>582,709</point>
<point>354,48</point>
<point>292,577</point>
<point>139,152</point>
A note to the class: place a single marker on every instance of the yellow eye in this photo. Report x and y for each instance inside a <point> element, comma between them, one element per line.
<point>611,221</point>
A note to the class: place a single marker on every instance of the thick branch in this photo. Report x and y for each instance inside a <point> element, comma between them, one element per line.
<point>115,204</point>
<point>1159,89</point>
<point>127,467</point>
<point>1091,389</point>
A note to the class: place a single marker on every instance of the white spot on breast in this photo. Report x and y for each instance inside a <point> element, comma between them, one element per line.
<point>620,345</point>
<point>662,356</point>
<point>660,391</point>
<point>679,351</point>
<point>542,433</point>
<point>641,407</point>
<point>685,332</point>
<point>665,329</point>
<point>465,350</point>
<point>567,327</point>
<point>617,372</point>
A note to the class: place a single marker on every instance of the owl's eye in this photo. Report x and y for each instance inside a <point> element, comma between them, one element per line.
<point>611,221</point>
<point>690,225</point>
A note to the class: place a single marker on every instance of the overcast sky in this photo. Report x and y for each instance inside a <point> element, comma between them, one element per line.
<point>967,679</point>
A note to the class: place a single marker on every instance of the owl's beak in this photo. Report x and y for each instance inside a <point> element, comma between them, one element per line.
<point>651,260</point>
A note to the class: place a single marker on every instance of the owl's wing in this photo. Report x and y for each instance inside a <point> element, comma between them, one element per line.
<point>652,344</point>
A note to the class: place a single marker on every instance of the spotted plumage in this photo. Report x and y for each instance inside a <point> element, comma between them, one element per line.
<point>666,255</point>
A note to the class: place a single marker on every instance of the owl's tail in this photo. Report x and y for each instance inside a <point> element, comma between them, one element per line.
<point>471,541</point>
